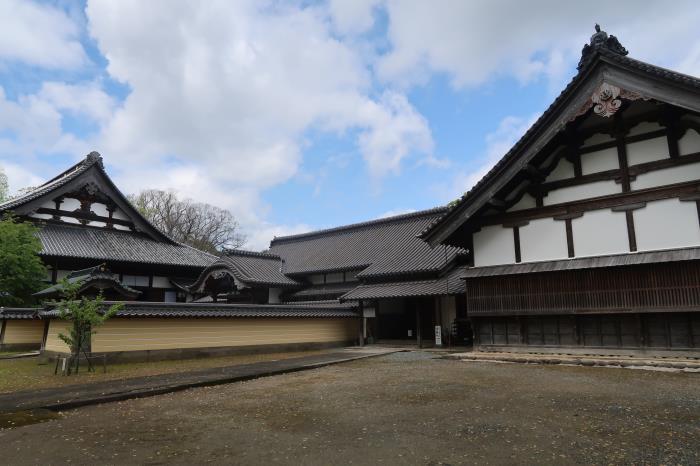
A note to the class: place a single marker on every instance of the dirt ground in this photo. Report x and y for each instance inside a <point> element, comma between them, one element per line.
<point>406,408</point>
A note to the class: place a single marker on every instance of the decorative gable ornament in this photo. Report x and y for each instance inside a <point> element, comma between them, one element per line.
<point>607,99</point>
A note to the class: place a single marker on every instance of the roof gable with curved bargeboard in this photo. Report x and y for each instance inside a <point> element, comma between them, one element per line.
<point>611,95</point>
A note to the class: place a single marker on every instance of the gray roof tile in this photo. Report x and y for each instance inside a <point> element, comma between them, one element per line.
<point>381,247</point>
<point>112,245</point>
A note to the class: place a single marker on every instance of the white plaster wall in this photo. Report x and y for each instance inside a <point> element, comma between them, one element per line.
<point>493,245</point>
<point>689,143</point>
<point>41,216</point>
<point>49,205</point>
<point>600,232</point>
<point>121,227</point>
<point>135,280</point>
<point>161,282</point>
<point>543,239</point>
<point>525,202</point>
<point>584,191</point>
<point>99,209</point>
<point>644,127</point>
<point>120,215</point>
<point>667,176</point>
<point>598,138</point>
<point>600,160</point>
<point>97,224</point>
<point>562,171</point>
<point>70,204</point>
<point>70,220</point>
<point>647,151</point>
<point>273,295</point>
<point>667,224</point>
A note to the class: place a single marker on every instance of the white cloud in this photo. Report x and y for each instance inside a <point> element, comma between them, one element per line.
<point>87,99</point>
<point>352,16</point>
<point>475,41</point>
<point>498,143</point>
<point>228,89</point>
<point>39,34</point>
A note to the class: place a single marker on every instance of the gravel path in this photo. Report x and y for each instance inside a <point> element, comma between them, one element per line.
<point>406,408</point>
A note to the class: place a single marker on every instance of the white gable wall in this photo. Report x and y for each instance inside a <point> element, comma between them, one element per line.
<point>600,232</point>
<point>667,224</point>
<point>647,151</point>
<point>543,239</point>
<point>493,245</point>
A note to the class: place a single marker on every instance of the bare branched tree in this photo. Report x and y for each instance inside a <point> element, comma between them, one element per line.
<point>200,225</point>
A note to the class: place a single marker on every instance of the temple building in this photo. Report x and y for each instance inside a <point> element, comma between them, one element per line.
<point>85,221</point>
<point>586,234</point>
<point>403,287</point>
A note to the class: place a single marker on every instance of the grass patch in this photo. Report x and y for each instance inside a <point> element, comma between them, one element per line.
<point>29,373</point>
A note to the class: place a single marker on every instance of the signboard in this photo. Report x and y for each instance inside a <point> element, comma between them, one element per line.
<point>438,335</point>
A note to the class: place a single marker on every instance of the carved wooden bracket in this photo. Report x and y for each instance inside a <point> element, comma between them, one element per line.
<point>606,100</point>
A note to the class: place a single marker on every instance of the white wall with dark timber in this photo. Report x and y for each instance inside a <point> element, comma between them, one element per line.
<point>562,171</point>
<point>494,245</point>
<point>667,176</point>
<point>600,232</point>
<point>689,143</point>
<point>599,161</point>
<point>543,239</point>
<point>648,150</point>
<point>597,138</point>
<point>525,202</point>
<point>667,224</point>
<point>581,192</point>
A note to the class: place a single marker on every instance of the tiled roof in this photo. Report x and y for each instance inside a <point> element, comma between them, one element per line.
<point>382,247</point>
<point>197,310</point>
<point>77,241</point>
<point>544,119</point>
<point>250,268</point>
<point>19,313</point>
<point>450,284</point>
<point>99,277</point>
<point>330,290</point>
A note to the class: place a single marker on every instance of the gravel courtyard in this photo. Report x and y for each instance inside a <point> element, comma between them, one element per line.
<point>406,408</point>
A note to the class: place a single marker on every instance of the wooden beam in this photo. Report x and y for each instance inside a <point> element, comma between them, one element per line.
<point>569,237</point>
<point>603,202</point>
<point>631,234</point>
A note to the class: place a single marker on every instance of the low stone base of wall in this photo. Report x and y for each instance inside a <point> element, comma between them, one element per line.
<point>194,353</point>
<point>594,351</point>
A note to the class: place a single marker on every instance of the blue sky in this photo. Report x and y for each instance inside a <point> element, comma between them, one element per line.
<point>299,115</point>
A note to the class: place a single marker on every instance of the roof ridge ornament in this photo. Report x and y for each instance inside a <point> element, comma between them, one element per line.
<point>600,41</point>
<point>94,157</point>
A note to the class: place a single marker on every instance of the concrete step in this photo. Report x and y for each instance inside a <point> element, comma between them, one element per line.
<point>687,364</point>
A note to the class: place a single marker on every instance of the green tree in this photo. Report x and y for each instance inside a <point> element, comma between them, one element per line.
<point>4,186</point>
<point>21,269</point>
<point>85,314</point>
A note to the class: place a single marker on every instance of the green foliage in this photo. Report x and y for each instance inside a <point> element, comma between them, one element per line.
<point>85,313</point>
<point>21,269</point>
